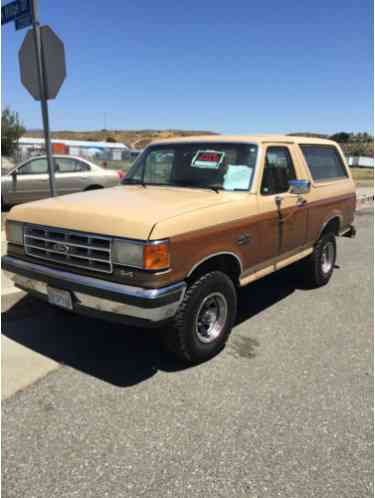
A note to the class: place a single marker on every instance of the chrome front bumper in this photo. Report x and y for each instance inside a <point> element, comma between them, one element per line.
<point>103,298</point>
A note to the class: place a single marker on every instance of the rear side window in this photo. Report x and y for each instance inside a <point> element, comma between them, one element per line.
<point>324,162</point>
<point>69,165</point>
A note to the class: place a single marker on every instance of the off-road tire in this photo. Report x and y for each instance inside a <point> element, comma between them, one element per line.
<point>181,337</point>
<point>313,268</point>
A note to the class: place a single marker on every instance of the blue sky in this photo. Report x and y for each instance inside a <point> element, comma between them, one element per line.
<point>232,67</point>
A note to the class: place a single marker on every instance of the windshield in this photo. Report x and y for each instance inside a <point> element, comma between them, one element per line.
<point>219,166</point>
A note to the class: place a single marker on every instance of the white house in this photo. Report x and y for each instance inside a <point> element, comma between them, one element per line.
<point>361,162</point>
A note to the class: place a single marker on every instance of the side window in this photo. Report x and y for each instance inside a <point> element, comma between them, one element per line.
<point>278,170</point>
<point>34,167</point>
<point>69,165</point>
<point>158,166</point>
<point>83,166</point>
<point>324,162</point>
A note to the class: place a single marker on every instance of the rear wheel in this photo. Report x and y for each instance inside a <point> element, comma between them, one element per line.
<point>205,318</point>
<point>93,187</point>
<point>320,265</point>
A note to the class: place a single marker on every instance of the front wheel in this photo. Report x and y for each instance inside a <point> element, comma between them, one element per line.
<point>204,319</point>
<point>320,265</point>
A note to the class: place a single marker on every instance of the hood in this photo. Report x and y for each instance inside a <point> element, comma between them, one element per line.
<point>125,211</point>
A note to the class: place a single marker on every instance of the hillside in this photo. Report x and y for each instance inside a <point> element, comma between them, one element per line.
<point>136,139</point>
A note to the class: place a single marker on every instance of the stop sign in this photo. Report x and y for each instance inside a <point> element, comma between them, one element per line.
<point>53,55</point>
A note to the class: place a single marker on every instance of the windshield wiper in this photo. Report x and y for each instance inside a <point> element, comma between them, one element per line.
<point>186,184</point>
<point>210,187</point>
<point>130,181</point>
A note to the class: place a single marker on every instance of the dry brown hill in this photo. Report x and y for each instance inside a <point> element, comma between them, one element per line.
<point>136,139</point>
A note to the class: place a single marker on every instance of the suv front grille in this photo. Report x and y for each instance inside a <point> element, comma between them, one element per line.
<point>79,249</point>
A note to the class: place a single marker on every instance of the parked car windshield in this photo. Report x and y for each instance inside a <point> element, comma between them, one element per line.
<point>218,166</point>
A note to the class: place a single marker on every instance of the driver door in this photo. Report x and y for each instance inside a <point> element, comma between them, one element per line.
<point>285,229</point>
<point>30,182</point>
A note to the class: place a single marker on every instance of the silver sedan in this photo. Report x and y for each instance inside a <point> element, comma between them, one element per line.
<point>29,180</point>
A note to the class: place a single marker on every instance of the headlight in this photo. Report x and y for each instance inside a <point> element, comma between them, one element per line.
<point>148,255</point>
<point>14,231</point>
<point>125,252</point>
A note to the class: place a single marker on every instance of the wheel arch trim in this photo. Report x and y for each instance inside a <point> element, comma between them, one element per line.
<point>338,217</point>
<point>213,255</point>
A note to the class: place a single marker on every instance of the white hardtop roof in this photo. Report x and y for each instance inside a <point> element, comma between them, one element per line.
<point>245,139</point>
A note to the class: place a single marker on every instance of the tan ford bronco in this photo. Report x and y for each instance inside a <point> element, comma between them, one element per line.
<point>195,219</point>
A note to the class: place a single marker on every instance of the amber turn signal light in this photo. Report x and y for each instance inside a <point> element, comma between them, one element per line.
<point>156,256</point>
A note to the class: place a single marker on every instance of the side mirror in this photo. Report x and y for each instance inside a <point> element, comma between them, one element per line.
<point>299,186</point>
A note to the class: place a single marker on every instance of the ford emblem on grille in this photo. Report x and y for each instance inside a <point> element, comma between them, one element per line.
<point>61,248</point>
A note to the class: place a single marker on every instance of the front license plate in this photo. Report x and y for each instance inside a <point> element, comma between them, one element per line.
<point>60,298</point>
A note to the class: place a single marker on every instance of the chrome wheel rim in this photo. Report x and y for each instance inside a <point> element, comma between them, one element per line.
<point>327,257</point>
<point>211,317</point>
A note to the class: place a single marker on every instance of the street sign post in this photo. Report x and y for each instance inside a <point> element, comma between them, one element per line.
<point>42,68</point>
<point>42,64</point>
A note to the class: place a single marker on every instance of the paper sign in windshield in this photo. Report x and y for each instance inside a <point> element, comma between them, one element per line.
<point>208,159</point>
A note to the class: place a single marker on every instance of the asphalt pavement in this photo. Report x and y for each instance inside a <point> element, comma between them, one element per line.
<point>283,411</point>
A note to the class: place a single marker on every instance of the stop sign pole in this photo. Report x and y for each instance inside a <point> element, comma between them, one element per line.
<point>43,95</point>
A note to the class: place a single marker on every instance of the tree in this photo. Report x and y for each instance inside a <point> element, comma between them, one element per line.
<point>360,149</point>
<point>111,140</point>
<point>11,131</point>
<point>341,137</point>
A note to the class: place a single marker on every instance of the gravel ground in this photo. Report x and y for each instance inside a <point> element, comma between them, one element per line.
<point>284,411</point>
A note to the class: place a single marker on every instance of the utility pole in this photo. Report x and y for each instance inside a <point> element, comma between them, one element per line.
<point>43,95</point>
